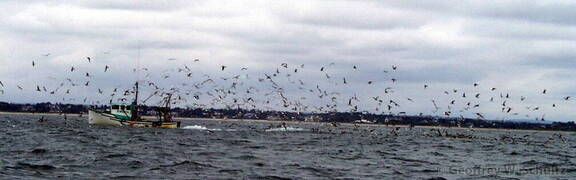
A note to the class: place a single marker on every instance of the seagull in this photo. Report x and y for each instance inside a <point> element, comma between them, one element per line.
<point>33,64</point>
<point>88,59</point>
<point>566,98</point>
<point>223,67</point>
<point>106,68</point>
<point>480,115</point>
<point>1,84</point>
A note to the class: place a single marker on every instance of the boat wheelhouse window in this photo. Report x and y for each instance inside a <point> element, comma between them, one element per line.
<point>115,107</point>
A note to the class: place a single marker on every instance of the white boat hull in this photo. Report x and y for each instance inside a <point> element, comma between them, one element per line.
<point>102,119</point>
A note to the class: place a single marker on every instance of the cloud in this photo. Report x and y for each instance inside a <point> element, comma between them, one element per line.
<point>519,47</point>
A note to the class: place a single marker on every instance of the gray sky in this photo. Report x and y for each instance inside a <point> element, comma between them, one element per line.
<point>519,47</point>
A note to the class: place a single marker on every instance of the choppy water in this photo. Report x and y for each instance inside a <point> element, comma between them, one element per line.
<point>256,150</point>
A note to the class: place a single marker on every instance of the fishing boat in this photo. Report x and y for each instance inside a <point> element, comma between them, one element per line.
<point>127,115</point>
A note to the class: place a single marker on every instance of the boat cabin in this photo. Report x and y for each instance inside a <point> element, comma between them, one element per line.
<point>121,110</point>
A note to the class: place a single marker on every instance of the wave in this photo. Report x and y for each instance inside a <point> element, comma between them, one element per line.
<point>286,129</point>
<point>202,128</point>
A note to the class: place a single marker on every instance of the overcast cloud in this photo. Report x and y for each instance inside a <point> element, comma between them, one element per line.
<point>519,47</point>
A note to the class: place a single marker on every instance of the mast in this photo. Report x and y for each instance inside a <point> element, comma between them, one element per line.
<point>135,115</point>
<point>135,104</point>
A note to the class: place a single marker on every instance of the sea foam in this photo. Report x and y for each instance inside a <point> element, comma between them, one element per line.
<point>286,129</point>
<point>202,128</point>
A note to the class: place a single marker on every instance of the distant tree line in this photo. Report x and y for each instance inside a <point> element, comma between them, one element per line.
<point>338,117</point>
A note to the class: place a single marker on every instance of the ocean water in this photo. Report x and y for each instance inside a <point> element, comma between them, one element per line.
<point>210,149</point>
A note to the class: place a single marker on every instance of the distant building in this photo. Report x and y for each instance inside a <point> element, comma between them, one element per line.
<point>313,118</point>
<point>27,108</point>
<point>274,118</point>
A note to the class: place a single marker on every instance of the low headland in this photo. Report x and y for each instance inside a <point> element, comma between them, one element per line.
<point>342,118</point>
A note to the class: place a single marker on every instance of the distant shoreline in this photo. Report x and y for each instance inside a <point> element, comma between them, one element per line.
<point>367,124</point>
<point>304,122</point>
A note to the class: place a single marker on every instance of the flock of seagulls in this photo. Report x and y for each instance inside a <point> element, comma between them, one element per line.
<point>286,87</point>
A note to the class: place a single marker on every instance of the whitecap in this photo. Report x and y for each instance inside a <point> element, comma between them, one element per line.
<point>286,129</point>
<point>202,128</point>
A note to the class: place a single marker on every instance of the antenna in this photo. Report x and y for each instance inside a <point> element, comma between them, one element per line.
<point>138,72</point>
<point>135,103</point>
<point>138,64</point>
